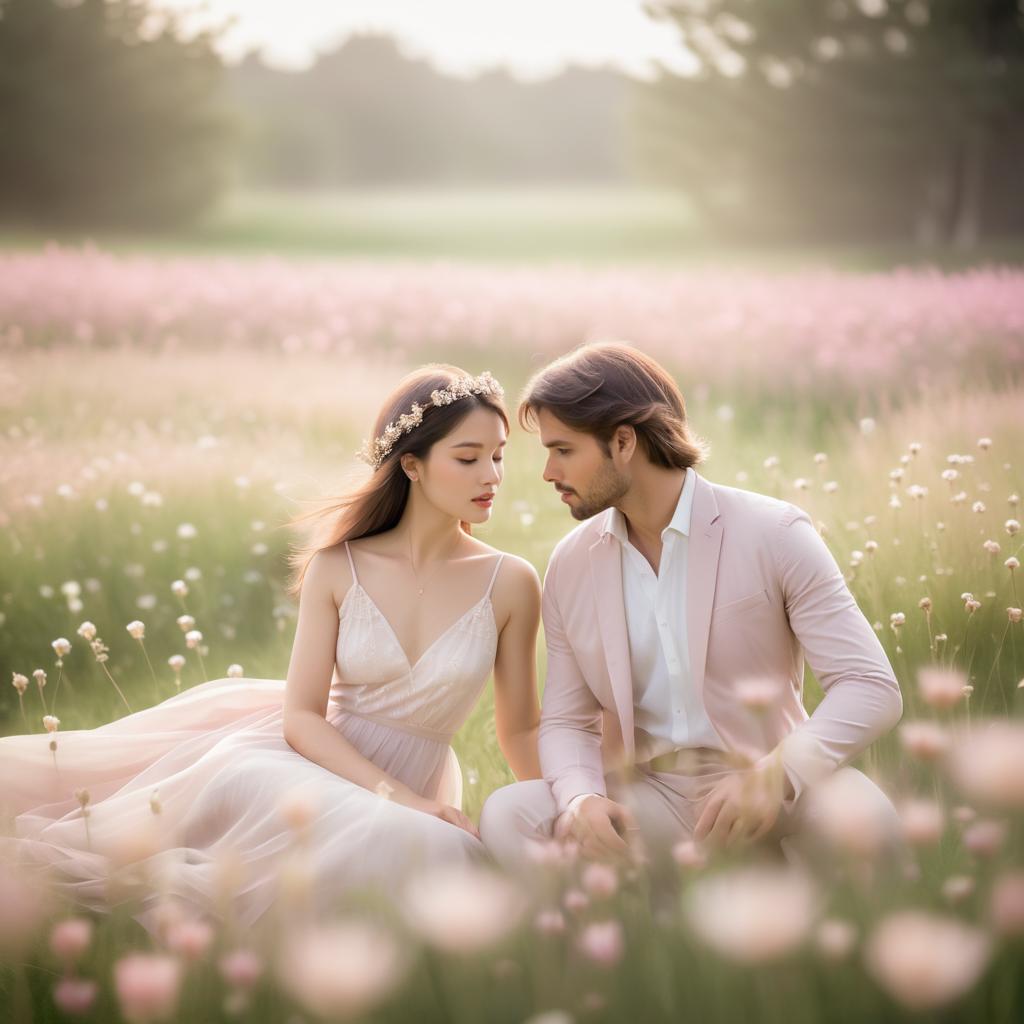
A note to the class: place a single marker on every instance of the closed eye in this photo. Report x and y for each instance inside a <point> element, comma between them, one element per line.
<point>469,462</point>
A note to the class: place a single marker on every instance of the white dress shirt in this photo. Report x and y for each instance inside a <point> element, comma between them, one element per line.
<point>667,711</point>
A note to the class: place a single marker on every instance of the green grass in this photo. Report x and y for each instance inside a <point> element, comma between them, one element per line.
<point>586,224</point>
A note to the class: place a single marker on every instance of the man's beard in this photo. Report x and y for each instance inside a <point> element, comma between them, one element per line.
<point>606,489</point>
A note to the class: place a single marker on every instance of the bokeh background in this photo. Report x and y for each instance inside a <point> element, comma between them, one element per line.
<point>227,229</point>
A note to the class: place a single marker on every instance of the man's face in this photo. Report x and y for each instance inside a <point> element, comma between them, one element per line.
<point>587,479</point>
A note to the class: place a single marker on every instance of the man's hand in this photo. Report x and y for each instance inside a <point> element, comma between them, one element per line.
<point>606,830</point>
<point>743,807</point>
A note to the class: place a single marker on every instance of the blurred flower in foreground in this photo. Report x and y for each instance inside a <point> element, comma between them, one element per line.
<point>957,888</point>
<point>241,968</point>
<point>925,740</point>
<point>69,939</point>
<point>147,986</point>
<point>985,838</point>
<point>462,910</point>
<point>988,764</point>
<point>843,812</point>
<point>687,854</point>
<point>924,960</point>
<point>299,806</point>
<point>758,694</point>
<point>753,915</point>
<point>1006,904</point>
<point>341,970</point>
<point>923,822</point>
<point>190,939</point>
<point>602,942</point>
<point>600,880</point>
<point>941,687</point>
<point>75,996</point>
<point>835,938</point>
<point>25,905</point>
<point>550,1017</point>
<point>549,922</point>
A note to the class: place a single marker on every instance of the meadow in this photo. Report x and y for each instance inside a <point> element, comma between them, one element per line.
<point>163,415</point>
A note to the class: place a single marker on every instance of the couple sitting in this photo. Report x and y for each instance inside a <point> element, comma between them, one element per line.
<point>677,615</point>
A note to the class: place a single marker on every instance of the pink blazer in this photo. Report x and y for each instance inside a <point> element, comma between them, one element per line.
<point>763,591</point>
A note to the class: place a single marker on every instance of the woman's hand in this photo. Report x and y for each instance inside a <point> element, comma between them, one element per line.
<point>450,814</point>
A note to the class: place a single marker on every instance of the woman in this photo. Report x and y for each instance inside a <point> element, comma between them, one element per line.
<point>403,614</point>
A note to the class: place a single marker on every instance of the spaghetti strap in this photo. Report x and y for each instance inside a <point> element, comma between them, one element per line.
<point>351,562</point>
<point>494,576</point>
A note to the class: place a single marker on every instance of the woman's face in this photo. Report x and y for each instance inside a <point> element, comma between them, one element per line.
<point>462,472</point>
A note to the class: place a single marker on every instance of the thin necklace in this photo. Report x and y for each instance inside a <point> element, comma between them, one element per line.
<point>420,587</point>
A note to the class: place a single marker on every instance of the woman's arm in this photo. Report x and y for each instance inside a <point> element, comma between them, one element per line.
<point>516,706</point>
<point>306,728</point>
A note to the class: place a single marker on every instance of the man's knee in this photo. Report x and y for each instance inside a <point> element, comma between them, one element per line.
<point>874,801</point>
<point>848,810</point>
<point>514,813</point>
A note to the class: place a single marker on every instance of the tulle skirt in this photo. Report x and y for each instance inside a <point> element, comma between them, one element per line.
<point>199,800</point>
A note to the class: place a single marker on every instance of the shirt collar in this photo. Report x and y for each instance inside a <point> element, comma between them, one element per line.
<point>615,523</point>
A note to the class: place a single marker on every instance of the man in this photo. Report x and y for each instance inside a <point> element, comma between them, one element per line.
<point>677,616</point>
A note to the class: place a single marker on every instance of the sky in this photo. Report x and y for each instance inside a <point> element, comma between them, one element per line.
<point>530,38</point>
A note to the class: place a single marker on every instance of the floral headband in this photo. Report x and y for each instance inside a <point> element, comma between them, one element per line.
<point>374,453</point>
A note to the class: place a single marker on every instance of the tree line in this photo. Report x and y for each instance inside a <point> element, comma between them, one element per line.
<point>811,119</point>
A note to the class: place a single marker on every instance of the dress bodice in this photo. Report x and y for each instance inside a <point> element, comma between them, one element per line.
<point>432,697</point>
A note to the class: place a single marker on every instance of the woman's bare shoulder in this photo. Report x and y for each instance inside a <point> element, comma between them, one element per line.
<point>328,574</point>
<point>518,583</point>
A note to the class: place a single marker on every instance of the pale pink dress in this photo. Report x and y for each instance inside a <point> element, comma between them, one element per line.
<point>222,771</point>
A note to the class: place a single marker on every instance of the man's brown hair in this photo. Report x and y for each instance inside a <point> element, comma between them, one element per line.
<point>599,386</point>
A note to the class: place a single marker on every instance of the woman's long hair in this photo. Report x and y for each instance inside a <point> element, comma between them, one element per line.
<point>378,504</point>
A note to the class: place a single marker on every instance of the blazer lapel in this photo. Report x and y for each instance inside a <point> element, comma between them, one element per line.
<point>701,576</point>
<point>606,573</point>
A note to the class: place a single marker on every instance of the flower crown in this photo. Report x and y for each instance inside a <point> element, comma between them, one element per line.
<point>375,452</point>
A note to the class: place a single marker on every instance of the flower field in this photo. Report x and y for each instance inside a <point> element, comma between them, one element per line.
<point>162,418</point>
